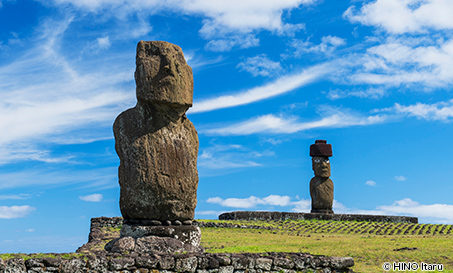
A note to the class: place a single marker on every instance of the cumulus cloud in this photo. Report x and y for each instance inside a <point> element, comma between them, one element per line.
<point>370,183</point>
<point>260,65</point>
<point>404,16</point>
<point>15,211</point>
<point>96,197</point>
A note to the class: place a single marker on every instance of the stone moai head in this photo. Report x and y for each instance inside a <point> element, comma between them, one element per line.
<point>321,151</point>
<point>162,75</point>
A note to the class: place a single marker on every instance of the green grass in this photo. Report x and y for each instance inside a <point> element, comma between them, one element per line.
<point>370,244</point>
<point>68,256</point>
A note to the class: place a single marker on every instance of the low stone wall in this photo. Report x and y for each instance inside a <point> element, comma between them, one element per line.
<point>275,215</point>
<point>193,263</point>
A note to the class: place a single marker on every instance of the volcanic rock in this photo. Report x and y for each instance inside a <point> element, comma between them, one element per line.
<point>156,143</point>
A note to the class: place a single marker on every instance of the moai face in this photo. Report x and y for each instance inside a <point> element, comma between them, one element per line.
<point>162,74</point>
<point>321,166</point>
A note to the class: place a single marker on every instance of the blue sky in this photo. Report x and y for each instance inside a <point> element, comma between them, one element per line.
<point>373,78</point>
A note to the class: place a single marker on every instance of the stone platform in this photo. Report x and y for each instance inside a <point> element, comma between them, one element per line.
<point>275,215</point>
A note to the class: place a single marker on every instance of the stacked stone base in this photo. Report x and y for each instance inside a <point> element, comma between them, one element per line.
<point>193,263</point>
<point>157,239</point>
<point>276,215</point>
<point>151,239</point>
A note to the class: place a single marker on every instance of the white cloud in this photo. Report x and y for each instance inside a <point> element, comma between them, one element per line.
<point>221,18</point>
<point>209,212</point>
<point>440,212</point>
<point>327,46</point>
<point>400,178</point>
<point>30,230</point>
<point>301,206</point>
<point>401,61</point>
<point>260,65</point>
<point>226,44</point>
<point>438,111</point>
<point>15,197</point>
<point>44,95</point>
<point>15,211</point>
<point>370,93</point>
<point>280,86</point>
<point>102,43</point>
<point>101,178</point>
<point>404,16</point>
<point>250,202</point>
<point>96,197</point>
<point>277,200</point>
<point>231,156</point>
<point>288,125</point>
<point>370,183</point>
<point>434,213</point>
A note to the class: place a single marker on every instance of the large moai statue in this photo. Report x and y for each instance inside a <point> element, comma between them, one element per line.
<point>158,147</point>
<point>321,186</point>
<point>155,141</point>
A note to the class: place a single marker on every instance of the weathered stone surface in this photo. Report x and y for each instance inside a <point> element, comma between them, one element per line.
<point>186,234</point>
<point>321,192</point>
<point>263,263</point>
<point>166,262</point>
<point>165,245</point>
<point>150,245</point>
<point>275,215</point>
<point>120,245</point>
<point>271,262</point>
<point>156,143</point>
<point>339,262</point>
<point>283,263</point>
<point>120,263</point>
<point>149,262</point>
<point>162,74</point>
<point>186,264</point>
<point>73,266</point>
<point>16,265</point>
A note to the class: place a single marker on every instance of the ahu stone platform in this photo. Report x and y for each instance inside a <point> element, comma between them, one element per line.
<point>275,215</point>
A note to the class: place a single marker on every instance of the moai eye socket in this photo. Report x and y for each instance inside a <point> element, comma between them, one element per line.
<point>317,160</point>
<point>326,160</point>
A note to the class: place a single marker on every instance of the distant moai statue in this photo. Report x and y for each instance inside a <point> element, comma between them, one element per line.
<point>321,186</point>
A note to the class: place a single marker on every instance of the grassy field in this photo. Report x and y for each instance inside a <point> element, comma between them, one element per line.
<point>370,244</point>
